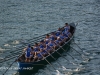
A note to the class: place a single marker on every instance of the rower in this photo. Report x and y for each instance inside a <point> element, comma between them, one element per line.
<point>32,51</point>
<point>39,56</point>
<point>39,49</point>
<point>36,51</point>
<point>58,41</point>
<point>36,47</point>
<point>42,54</point>
<point>66,31</point>
<point>67,34</point>
<point>48,49</point>
<point>28,54</point>
<point>63,38</point>
<point>41,44</point>
<point>53,36</point>
<point>52,44</point>
<point>47,39</point>
<point>58,32</point>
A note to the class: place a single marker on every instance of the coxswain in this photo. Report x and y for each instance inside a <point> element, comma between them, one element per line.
<point>28,53</point>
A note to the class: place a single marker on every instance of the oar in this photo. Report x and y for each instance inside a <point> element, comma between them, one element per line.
<point>78,45</point>
<point>75,49</point>
<point>72,47</point>
<point>65,50</point>
<point>48,62</point>
<point>80,48</point>
<point>19,49</point>
<point>64,57</point>
<point>67,53</point>
<point>76,24</point>
<point>12,63</point>
<point>53,57</point>
<point>13,52</point>
<point>10,66</point>
<point>9,58</point>
<point>78,52</point>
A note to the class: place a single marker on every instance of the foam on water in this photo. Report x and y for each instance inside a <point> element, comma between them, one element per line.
<point>15,42</point>
<point>7,45</point>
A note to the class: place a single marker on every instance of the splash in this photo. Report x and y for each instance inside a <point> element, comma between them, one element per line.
<point>58,73</point>
<point>23,41</point>
<point>69,73</point>
<point>77,69</point>
<point>7,45</point>
<point>86,53</point>
<point>15,42</point>
<point>2,49</point>
<point>78,61</point>
<point>64,68</point>
<point>1,58</point>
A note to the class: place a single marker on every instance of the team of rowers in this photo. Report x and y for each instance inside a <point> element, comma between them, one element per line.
<point>48,45</point>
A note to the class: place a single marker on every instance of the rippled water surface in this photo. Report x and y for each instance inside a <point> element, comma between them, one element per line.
<point>22,20</point>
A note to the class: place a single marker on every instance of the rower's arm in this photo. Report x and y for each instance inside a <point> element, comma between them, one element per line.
<point>24,49</point>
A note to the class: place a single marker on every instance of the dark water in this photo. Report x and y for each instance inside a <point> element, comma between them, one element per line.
<point>21,20</point>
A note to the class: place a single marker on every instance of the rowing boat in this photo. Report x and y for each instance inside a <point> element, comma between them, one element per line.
<point>25,68</point>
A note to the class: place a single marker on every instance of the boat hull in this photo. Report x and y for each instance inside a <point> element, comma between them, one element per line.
<point>33,67</point>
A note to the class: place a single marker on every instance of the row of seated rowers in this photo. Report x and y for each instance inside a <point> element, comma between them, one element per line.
<point>48,45</point>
